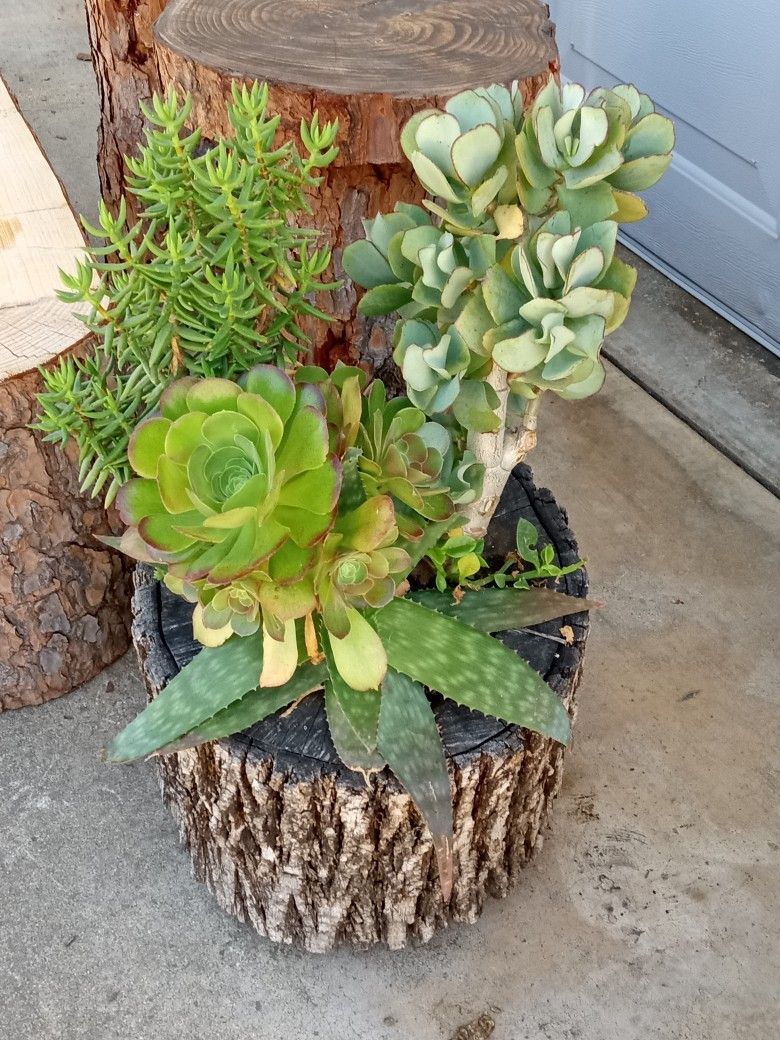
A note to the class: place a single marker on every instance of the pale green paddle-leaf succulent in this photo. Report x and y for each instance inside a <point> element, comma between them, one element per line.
<point>378,264</point>
<point>465,156</point>
<point>571,292</point>
<point>432,364</point>
<point>409,265</point>
<point>588,154</point>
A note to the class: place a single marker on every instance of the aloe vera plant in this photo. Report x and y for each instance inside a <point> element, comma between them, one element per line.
<point>506,288</point>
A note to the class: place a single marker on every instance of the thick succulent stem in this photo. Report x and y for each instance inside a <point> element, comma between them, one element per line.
<point>500,452</point>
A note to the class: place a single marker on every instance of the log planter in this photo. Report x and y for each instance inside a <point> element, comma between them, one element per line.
<point>64,597</point>
<point>313,854</point>
<point>368,63</point>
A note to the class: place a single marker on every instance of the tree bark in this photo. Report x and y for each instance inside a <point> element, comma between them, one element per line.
<point>64,597</point>
<point>309,852</point>
<point>370,63</point>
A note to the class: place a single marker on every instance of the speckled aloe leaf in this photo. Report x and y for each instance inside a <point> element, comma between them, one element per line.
<point>252,708</point>
<point>498,610</point>
<point>469,667</point>
<point>353,719</point>
<point>409,740</point>
<point>209,683</point>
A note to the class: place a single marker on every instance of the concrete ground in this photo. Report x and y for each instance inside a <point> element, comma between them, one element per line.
<point>650,913</point>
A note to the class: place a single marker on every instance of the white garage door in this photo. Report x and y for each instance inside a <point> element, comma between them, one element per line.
<point>713,68</point>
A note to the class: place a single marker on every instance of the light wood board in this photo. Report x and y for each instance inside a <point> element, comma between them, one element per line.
<point>38,235</point>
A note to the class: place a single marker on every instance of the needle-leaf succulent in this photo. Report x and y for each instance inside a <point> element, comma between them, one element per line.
<point>215,274</point>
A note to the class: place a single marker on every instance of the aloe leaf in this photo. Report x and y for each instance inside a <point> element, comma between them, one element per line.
<point>469,667</point>
<point>214,679</point>
<point>252,708</point>
<point>498,610</point>
<point>353,719</point>
<point>409,740</point>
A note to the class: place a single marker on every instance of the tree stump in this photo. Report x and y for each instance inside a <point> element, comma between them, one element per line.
<point>63,597</point>
<point>309,852</point>
<point>368,63</point>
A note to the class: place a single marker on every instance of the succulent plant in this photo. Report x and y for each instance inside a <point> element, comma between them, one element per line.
<point>432,364</point>
<point>361,564</point>
<point>587,154</point>
<point>465,155</point>
<point>423,269</point>
<point>575,292</point>
<point>217,274</point>
<point>233,481</point>
<point>378,263</point>
<point>400,457</point>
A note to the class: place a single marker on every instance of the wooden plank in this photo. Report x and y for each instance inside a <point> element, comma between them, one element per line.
<point>38,235</point>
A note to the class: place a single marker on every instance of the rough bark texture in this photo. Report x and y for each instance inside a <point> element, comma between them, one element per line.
<point>120,36</point>
<point>307,851</point>
<point>63,596</point>
<point>260,40</point>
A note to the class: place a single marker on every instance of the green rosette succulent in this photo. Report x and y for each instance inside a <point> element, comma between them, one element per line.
<point>361,564</point>
<point>589,154</point>
<point>234,483</point>
<point>342,393</point>
<point>392,450</point>
<point>466,157</point>
<point>397,459</point>
<point>567,291</point>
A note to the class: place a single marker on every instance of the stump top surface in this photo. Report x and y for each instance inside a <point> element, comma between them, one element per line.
<point>300,741</point>
<point>38,235</point>
<point>405,48</point>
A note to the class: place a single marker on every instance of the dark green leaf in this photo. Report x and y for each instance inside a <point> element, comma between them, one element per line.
<point>353,718</point>
<point>253,707</point>
<point>214,679</point>
<point>409,740</point>
<point>498,610</point>
<point>469,667</point>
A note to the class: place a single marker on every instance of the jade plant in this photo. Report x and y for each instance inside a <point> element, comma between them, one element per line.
<point>330,537</point>
<point>213,277</point>
<point>506,282</point>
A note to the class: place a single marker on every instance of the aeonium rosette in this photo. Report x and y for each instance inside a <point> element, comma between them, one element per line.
<point>238,499</point>
<point>236,488</point>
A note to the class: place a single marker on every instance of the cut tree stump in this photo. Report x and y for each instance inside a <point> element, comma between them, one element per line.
<point>64,597</point>
<point>309,852</point>
<point>368,63</point>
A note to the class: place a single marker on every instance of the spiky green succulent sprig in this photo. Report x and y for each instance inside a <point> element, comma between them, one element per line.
<point>214,277</point>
